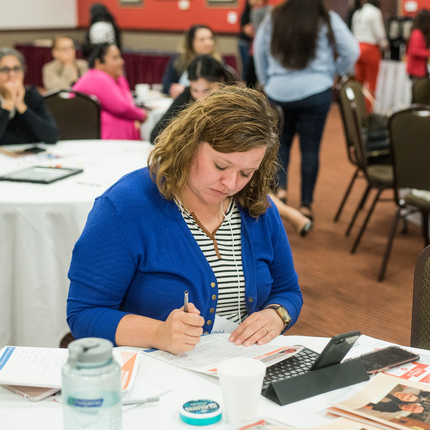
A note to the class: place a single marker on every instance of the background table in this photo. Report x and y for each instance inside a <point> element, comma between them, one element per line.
<point>39,225</point>
<point>393,88</point>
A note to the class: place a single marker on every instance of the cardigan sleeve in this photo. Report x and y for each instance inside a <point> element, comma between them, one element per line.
<point>95,294</point>
<point>285,289</point>
<point>38,118</point>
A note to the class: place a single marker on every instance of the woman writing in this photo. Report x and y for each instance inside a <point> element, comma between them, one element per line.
<point>120,118</point>
<point>418,47</point>
<point>294,55</point>
<point>205,74</point>
<point>24,117</point>
<point>199,40</point>
<point>197,219</point>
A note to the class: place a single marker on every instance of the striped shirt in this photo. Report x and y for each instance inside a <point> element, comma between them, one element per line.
<point>223,251</point>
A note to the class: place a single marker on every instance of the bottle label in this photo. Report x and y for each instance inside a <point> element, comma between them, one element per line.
<point>84,403</point>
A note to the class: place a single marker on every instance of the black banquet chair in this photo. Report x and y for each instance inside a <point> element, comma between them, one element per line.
<point>410,148</point>
<point>378,176</point>
<point>421,91</point>
<point>372,128</point>
<point>76,114</point>
<point>420,332</point>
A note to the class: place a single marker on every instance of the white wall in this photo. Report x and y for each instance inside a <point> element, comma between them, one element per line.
<point>30,14</point>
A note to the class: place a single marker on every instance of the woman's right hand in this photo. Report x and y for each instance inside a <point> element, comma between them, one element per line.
<point>181,331</point>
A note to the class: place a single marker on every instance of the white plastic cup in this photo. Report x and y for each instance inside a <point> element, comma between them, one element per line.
<point>142,91</point>
<point>241,382</point>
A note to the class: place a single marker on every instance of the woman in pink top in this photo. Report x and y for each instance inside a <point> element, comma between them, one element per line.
<point>120,118</point>
<point>418,52</point>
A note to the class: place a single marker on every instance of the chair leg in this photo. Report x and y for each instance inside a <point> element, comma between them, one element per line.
<point>345,197</point>
<point>387,252</point>
<point>360,205</point>
<point>425,227</point>
<point>363,227</point>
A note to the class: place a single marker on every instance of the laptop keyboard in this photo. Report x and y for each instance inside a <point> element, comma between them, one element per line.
<point>299,364</point>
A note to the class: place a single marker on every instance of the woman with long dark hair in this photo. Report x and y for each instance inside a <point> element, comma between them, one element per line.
<point>419,42</point>
<point>295,50</point>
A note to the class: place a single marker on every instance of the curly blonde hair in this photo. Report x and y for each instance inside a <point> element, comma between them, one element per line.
<point>233,119</point>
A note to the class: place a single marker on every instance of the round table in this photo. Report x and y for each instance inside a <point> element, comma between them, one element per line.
<point>39,225</point>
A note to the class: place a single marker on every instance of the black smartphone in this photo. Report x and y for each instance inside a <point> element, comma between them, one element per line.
<point>385,358</point>
<point>336,350</point>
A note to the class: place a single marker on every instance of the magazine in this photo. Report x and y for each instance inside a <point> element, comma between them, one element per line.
<point>339,424</point>
<point>389,402</point>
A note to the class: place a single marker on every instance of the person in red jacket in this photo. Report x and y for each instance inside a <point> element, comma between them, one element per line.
<point>419,42</point>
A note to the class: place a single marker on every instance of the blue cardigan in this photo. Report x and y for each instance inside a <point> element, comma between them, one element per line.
<point>137,255</point>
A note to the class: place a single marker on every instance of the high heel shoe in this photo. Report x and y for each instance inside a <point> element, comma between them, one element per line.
<point>306,210</point>
<point>307,228</point>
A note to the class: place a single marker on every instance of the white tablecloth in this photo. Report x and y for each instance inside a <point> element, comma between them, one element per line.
<point>393,88</point>
<point>158,105</point>
<point>19,414</point>
<point>39,225</point>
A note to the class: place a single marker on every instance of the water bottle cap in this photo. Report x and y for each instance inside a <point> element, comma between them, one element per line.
<point>89,350</point>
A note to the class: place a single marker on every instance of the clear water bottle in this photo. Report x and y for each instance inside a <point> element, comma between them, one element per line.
<point>91,387</point>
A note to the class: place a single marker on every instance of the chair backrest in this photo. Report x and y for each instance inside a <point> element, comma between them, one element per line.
<point>409,132</point>
<point>76,114</point>
<point>353,123</point>
<point>420,332</point>
<point>350,92</point>
<point>421,91</point>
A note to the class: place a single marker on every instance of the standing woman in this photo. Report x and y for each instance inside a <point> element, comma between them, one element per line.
<point>419,42</point>
<point>295,50</point>
<point>199,40</point>
<point>369,30</point>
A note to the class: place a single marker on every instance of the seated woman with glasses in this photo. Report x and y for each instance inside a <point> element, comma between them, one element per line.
<point>64,70</point>
<point>24,117</point>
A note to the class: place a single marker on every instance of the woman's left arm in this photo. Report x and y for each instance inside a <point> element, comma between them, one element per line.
<point>262,49</point>
<point>346,46</point>
<point>264,325</point>
<point>32,107</point>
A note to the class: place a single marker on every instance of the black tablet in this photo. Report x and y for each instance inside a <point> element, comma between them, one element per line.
<point>40,175</point>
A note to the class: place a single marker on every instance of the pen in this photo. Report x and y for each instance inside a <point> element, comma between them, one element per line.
<point>140,401</point>
<point>186,301</point>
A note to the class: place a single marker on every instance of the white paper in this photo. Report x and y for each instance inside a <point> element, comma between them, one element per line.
<point>223,325</point>
<point>213,349</point>
<point>41,367</point>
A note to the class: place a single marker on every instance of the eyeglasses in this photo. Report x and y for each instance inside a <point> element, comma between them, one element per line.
<point>7,70</point>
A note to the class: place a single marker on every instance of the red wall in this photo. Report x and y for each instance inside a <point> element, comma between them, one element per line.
<point>165,15</point>
<point>422,4</point>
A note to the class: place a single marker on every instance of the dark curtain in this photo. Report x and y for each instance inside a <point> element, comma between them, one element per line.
<point>139,67</point>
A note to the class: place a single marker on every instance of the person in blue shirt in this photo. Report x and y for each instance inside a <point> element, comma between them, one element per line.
<point>197,219</point>
<point>298,50</point>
